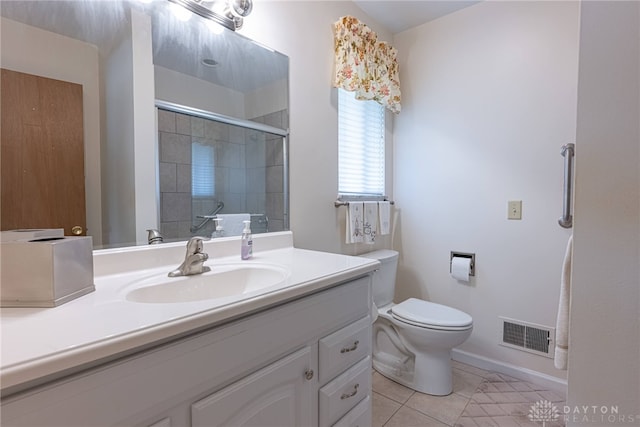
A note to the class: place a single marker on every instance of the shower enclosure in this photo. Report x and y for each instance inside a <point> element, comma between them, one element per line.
<point>211,165</point>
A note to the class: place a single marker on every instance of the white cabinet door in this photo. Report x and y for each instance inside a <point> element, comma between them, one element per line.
<point>279,395</point>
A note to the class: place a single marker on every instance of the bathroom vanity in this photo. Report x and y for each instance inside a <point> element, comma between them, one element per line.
<point>294,352</point>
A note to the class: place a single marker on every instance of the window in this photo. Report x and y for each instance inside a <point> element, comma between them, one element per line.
<point>361,146</point>
<point>202,170</point>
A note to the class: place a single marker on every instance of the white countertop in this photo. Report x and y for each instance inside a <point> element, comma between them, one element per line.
<point>41,342</point>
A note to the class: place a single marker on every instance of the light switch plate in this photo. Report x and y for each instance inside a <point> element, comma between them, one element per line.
<point>515,209</point>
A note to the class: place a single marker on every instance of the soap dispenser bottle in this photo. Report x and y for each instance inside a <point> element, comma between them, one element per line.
<point>219,228</point>
<point>246,248</point>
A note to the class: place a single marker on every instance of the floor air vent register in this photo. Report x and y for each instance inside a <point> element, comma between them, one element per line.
<point>527,337</point>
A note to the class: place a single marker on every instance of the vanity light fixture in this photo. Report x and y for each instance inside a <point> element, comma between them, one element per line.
<point>238,10</point>
<point>231,17</point>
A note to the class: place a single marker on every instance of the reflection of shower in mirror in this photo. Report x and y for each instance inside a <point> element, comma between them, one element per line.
<point>90,43</point>
<point>209,167</point>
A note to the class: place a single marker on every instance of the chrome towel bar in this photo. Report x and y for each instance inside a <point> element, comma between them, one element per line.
<point>567,151</point>
<point>339,202</point>
<point>207,218</point>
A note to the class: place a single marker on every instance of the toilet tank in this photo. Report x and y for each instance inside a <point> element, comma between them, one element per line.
<point>384,280</point>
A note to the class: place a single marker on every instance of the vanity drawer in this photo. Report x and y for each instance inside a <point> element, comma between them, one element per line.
<point>343,348</point>
<point>343,393</point>
<point>360,416</point>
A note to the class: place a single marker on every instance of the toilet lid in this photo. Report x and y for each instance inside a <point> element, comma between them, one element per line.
<point>429,314</point>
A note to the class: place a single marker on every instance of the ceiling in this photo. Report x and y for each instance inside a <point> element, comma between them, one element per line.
<point>400,15</point>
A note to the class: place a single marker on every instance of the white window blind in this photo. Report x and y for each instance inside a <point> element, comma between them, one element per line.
<point>361,146</point>
<point>202,170</point>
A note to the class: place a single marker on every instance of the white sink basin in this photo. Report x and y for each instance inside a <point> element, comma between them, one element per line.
<point>222,281</point>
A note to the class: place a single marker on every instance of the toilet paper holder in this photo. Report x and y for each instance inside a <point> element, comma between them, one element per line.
<point>472,256</point>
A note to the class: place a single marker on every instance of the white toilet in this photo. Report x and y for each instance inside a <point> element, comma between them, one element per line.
<point>412,340</point>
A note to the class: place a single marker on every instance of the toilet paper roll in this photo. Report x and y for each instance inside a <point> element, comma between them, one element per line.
<point>461,268</point>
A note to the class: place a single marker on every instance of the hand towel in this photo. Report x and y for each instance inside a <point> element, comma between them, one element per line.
<point>562,322</point>
<point>354,223</point>
<point>384,211</point>
<point>370,226</point>
<point>233,223</point>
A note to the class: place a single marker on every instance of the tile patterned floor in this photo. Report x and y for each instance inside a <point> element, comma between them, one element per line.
<point>480,399</point>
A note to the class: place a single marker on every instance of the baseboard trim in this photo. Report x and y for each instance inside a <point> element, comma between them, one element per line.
<point>524,374</point>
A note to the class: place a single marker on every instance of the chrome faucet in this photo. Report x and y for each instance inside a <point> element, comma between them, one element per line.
<point>193,261</point>
<point>154,236</point>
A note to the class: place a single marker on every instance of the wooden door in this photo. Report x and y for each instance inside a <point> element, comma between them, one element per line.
<point>42,153</point>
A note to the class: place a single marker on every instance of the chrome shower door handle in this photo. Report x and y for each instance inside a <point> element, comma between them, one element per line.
<point>568,150</point>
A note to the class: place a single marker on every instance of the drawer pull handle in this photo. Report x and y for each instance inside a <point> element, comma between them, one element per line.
<point>308,374</point>
<point>352,348</point>
<point>353,393</point>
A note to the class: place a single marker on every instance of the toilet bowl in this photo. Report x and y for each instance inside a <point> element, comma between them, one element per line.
<point>412,340</point>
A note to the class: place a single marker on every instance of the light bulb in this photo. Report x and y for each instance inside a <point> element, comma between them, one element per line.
<point>240,8</point>
<point>180,12</point>
<point>214,27</point>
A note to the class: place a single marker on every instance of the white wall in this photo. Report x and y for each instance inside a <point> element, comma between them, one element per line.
<point>118,192</point>
<point>604,348</point>
<point>267,99</point>
<point>130,158</point>
<point>63,58</point>
<point>489,98</point>
<point>147,213</point>
<point>183,89</point>
<point>316,223</point>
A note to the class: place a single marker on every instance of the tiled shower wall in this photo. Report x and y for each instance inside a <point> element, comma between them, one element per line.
<point>270,180</point>
<point>248,172</point>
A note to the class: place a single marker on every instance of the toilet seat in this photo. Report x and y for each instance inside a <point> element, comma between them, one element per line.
<point>430,315</point>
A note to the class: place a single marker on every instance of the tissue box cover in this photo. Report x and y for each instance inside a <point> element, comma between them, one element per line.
<point>30,234</point>
<point>45,272</point>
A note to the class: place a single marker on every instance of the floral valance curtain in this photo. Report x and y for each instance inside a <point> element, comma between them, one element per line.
<point>365,66</point>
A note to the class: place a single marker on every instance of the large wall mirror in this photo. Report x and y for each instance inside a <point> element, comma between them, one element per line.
<point>177,123</point>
